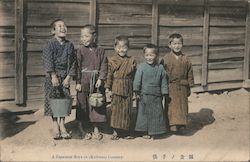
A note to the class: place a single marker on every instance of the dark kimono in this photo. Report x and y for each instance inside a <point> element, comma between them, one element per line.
<point>120,76</point>
<point>151,83</point>
<point>89,60</point>
<point>60,59</point>
<point>180,74</point>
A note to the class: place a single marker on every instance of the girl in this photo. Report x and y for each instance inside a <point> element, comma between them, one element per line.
<point>121,70</point>
<point>59,63</point>
<point>150,85</point>
<point>91,64</point>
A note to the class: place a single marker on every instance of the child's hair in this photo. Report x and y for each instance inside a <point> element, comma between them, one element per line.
<point>92,28</point>
<point>53,24</point>
<point>121,38</point>
<point>175,35</point>
<point>150,45</point>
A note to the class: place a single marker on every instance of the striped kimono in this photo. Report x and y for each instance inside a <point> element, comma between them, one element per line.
<point>121,71</point>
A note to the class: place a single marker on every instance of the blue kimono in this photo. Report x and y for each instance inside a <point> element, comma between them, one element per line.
<point>60,59</point>
<point>151,83</point>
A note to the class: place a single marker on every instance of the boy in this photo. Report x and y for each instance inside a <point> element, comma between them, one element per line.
<point>59,64</point>
<point>150,85</point>
<point>180,74</point>
<point>91,69</point>
<point>121,70</point>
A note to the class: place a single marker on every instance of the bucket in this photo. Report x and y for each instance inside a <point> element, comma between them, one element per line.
<point>61,107</point>
<point>96,99</point>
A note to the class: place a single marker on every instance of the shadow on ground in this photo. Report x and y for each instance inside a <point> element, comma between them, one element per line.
<point>10,125</point>
<point>196,121</point>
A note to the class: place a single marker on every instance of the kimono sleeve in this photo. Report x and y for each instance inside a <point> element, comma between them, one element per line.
<point>110,74</point>
<point>48,59</point>
<point>72,61</point>
<point>138,80</point>
<point>134,64</point>
<point>164,81</point>
<point>164,63</point>
<point>78,66</point>
<point>190,74</point>
<point>104,65</point>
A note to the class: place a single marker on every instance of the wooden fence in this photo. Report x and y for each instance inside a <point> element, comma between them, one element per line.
<point>216,37</point>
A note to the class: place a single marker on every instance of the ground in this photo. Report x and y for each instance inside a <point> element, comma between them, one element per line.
<point>218,130</point>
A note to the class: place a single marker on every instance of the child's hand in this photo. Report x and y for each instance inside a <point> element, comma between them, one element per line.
<point>78,87</point>
<point>54,80</point>
<point>136,96</point>
<point>108,94</point>
<point>167,98</point>
<point>66,82</point>
<point>98,83</point>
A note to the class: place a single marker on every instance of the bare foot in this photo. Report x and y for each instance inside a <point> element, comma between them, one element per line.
<point>56,131</point>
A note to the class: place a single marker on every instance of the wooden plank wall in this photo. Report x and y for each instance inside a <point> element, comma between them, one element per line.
<point>226,39</point>
<point>226,43</point>
<point>226,35</point>
<point>130,18</point>
<point>7,50</point>
<point>186,19</point>
<point>39,15</point>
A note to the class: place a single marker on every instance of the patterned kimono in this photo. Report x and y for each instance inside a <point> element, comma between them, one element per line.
<point>90,60</point>
<point>58,58</point>
<point>120,76</point>
<point>180,74</point>
<point>151,83</point>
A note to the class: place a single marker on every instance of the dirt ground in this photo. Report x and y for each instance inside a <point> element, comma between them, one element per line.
<point>218,130</point>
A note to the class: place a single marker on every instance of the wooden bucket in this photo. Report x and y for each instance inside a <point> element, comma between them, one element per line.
<point>61,107</point>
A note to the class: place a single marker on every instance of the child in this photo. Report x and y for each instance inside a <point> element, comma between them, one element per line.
<point>92,63</point>
<point>121,70</point>
<point>150,85</point>
<point>59,63</point>
<point>180,73</point>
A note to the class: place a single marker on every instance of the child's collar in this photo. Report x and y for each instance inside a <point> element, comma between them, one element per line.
<point>153,64</point>
<point>180,53</point>
<point>60,40</point>
<point>121,56</point>
<point>91,47</point>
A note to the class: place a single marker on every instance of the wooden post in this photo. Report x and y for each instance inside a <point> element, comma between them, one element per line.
<point>19,67</point>
<point>205,45</point>
<point>246,76</point>
<point>92,17</point>
<point>155,22</point>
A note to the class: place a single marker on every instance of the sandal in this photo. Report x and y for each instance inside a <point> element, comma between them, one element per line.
<point>65,135</point>
<point>114,137</point>
<point>57,136</point>
<point>129,137</point>
<point>146,137</point>
<point>88,136</point>
<point>98,136</point>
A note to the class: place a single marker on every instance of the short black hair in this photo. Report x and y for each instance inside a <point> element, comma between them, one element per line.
<point>150,45</point>
<point>121,38</point>
<point>91,28</point>
<point>52,24</point>
<point>175,35</point>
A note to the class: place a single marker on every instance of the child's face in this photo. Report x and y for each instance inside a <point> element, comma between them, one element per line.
<point>176,45</point>
<point>87,38</point>
<point>121,48</point>
<point>150,55</point>
<point>60,29</point>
